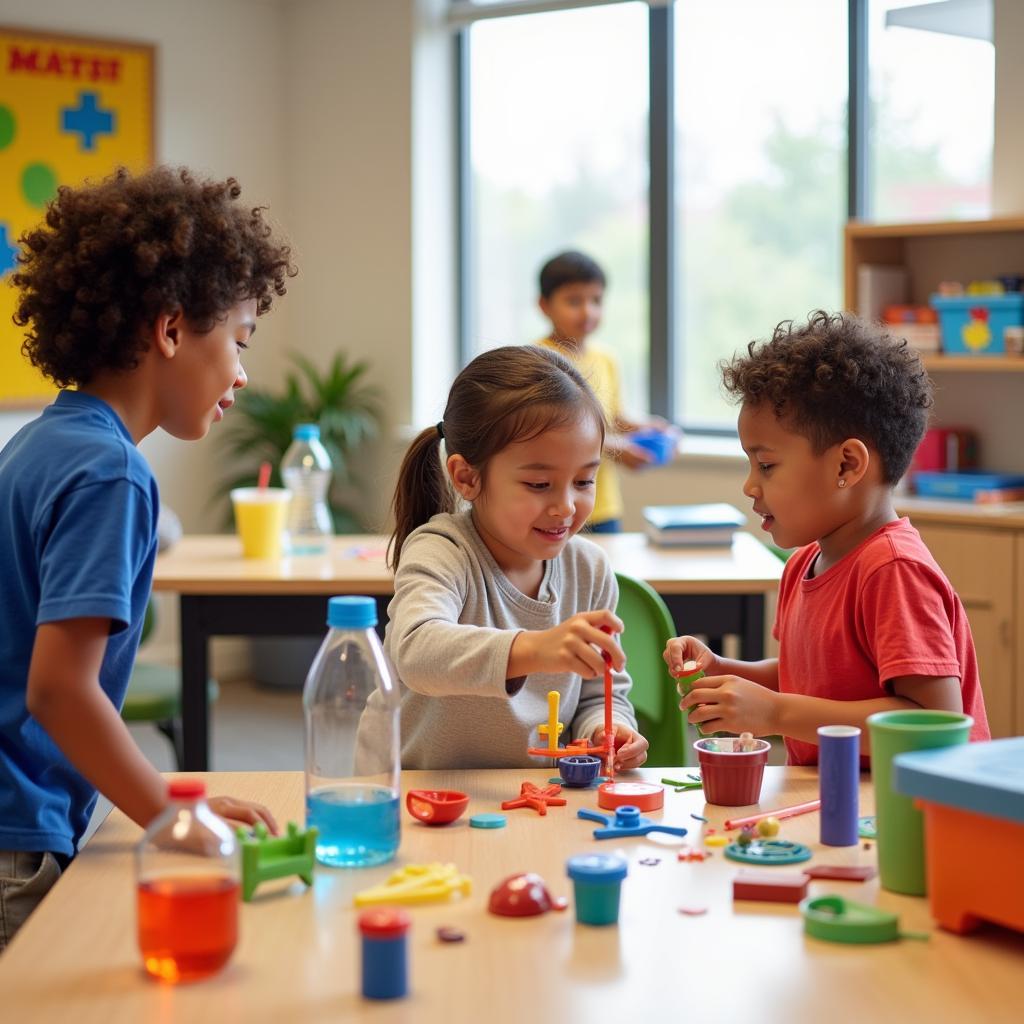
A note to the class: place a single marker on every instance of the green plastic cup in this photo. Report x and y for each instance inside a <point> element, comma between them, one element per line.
<point>900,824</point>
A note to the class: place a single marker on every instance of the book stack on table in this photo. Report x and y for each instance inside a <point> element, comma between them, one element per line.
<point>692,525</point>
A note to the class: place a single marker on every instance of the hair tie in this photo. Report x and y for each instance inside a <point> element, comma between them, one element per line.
<point>440,429</point>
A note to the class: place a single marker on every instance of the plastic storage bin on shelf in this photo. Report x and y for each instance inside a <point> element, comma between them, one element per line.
<point>973,802</point>
<point>973,325</point>
<point>963,484</point>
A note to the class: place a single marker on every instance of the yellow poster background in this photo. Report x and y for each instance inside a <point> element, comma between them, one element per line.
<point>71,108</point>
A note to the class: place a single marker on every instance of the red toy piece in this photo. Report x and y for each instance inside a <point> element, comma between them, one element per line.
<point>843,872</point>
<point>770,886</point>
<point>535,797</point>
<point>436,806</point>
<point>523,895</point>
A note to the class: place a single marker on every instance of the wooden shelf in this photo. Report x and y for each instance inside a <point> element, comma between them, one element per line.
<point>974,364</point>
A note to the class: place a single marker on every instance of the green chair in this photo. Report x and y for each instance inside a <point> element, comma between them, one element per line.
<point>649,627</point>
<point>154,694</point>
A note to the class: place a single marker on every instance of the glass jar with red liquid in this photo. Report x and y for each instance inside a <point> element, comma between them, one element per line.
<point>188,875</point>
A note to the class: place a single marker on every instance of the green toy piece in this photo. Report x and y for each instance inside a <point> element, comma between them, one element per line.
<point>265,857</point>
<point>836,919</point>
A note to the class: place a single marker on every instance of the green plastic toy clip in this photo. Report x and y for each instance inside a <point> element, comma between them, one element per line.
<point>265,857</point>
<point>836,919</point>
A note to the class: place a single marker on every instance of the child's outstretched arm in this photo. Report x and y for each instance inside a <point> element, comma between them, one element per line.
<point>682,649</point>
<point>732,704</point>
<point>65,697</point>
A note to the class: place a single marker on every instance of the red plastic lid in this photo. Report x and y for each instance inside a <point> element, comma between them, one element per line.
<point>384,922</point>
<point>186,789</point>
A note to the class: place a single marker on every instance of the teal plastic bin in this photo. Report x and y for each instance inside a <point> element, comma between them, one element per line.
<point>973,325</point>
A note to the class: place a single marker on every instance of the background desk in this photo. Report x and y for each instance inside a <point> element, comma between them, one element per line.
<point>298,958</point>
<point>716,591</point>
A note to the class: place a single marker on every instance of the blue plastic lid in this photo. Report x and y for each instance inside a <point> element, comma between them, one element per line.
<point>986,778</point>
<point>306,432</point>
<point>596,867</point>
<point>351,613</point>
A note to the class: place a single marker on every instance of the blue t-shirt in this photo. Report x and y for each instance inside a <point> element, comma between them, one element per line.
<point>78,511</point>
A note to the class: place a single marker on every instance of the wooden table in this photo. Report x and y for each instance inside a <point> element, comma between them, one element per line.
<point>715,591</point>
<point>298,958</point>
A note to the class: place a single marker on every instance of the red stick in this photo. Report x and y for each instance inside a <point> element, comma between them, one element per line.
<point>264,477</point>
<point>609,734</point>
<point>782,812</point>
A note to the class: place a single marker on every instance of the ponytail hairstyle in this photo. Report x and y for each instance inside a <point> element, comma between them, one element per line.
<point>505,396</point>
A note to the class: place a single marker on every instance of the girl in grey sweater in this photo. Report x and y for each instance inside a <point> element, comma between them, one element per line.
<point>498,602</point>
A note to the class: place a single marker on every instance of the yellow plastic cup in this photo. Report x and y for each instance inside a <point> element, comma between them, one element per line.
<point>260,518</point>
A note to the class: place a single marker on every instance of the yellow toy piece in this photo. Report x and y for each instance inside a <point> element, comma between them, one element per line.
<point>553,728</point>
<point>417,883</point>
<point>716,840</point>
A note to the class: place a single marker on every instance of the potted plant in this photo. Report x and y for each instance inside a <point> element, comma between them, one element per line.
<point>339,400</point>
<point>348,412</point>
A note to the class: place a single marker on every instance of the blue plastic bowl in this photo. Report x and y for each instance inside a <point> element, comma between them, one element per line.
<point>660,444</point>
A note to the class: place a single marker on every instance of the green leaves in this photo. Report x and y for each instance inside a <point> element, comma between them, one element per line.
<point>259,427</point>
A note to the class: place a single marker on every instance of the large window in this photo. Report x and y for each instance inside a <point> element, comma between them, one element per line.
<point>557,112</point>
<point>716,202</point>
<point>932,93</point>
<point>760,185</point>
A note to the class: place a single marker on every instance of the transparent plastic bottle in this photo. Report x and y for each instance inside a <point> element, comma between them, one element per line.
<point>306,471</point>
<point>187,874</point>
<point>353,742</point>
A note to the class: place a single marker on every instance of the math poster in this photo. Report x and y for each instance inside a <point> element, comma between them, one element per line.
<point>71,108</point>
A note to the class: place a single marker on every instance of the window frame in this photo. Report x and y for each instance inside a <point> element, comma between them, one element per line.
<point>662,241</point>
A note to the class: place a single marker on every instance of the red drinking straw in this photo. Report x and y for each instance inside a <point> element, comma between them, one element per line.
<point>264,477</point>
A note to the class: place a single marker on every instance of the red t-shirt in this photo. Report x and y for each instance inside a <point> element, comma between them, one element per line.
<point>884,610</point>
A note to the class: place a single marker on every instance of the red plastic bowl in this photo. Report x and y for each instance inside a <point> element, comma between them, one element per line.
<point>436,806</point>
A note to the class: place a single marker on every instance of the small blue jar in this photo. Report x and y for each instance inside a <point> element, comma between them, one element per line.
<point>597,882</point>
<point>385,953</point>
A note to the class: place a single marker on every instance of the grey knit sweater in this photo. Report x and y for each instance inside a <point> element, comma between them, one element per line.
<point>452,622</point>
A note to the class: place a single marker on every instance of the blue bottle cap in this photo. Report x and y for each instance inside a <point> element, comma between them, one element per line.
<point>351,613</point>
<point>306,432</point>
<point>596,867</point>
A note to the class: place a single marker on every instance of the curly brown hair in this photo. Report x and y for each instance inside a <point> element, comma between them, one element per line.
<point>837,377</point>
<point>112,257</point>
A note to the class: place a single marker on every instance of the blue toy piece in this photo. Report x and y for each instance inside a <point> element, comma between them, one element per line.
<point>628,822</point>
<point>578,771</point>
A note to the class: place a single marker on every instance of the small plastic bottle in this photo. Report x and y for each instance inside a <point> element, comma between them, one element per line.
<point>188,873</point>
<point>353,741</point>
<point>306,471</point>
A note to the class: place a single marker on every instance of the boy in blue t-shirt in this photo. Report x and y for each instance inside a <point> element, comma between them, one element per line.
<point>141,292</point>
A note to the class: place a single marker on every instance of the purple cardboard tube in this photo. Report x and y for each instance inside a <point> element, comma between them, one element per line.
<point>839,781</point>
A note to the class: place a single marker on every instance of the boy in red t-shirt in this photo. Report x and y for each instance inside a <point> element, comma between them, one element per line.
<point>831,414</point>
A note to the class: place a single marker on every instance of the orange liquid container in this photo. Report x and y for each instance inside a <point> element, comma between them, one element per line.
<point>188,925</point>
<point>188,885</point>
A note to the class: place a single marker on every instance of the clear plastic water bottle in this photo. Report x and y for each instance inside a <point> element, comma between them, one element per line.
<point>306,471</point>
<point>353,740</point>
<point>187,875</point>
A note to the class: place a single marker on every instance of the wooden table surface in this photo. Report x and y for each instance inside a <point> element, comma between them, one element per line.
<point>298,958</point>
<point>213,564</point>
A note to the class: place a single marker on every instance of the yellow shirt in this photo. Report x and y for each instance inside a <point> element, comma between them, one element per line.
<point>601,372</point>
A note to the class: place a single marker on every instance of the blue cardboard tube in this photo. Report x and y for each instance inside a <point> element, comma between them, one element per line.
<point>839,782</point>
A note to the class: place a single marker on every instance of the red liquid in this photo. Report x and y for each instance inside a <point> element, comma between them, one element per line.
<point>188,925</point>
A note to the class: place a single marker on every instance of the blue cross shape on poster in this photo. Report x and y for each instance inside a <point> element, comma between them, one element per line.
<point>87,119</point>
<point>7,252</point>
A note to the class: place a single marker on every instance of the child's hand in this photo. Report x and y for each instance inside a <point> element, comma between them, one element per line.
<point>630,746</point>
<point>732,704</point>
<point>243,811</point>
<point>632,456</point>
<point>682,649</point>
<point>577,645</point>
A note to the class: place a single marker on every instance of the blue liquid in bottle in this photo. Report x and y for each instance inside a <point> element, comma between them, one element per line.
<point>358,825</point>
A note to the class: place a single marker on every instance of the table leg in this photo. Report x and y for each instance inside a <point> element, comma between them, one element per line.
<point>752,632</point>
<point>195,712</point>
